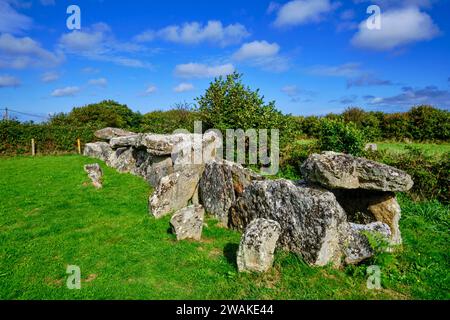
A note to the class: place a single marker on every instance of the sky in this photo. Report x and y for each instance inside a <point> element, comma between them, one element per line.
<point>309,56</point>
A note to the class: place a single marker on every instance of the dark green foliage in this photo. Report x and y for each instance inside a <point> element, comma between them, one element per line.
<point>166,122</point>
<point>430,173</point>
<point>338,136</point>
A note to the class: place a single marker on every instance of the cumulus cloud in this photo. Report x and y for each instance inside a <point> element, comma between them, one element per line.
<point>198,70</point>
<point>8,81</point>
<point>97,42</point>
<point>399,27</point>
<point>213,32</point>
<point>183,87</point>
<point>101,82</point>
<point>256,49</point>
<point>410,96</point>
<point>12,21</point>
<point>400,3</point>
<point>299,12</point>
<point>65,92</point>
<point>20,53</point>
<point>262,54</point>
<point>50,77</point>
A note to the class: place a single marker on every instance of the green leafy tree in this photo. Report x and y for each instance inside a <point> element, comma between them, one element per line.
<point>338,136</point>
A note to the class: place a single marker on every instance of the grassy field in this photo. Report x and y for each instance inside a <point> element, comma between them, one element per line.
<point>50,217</point>
<point>428,148</point>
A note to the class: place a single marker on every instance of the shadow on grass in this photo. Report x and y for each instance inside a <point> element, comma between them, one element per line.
<point>230,253</point>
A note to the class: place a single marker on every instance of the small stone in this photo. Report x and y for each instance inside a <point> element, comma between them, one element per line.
<point>95,173</point>
<point>187,223</point>
<point>257,247</point>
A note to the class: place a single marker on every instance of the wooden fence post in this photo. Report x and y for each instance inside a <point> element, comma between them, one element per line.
<point>33,148</point>
<point>79,146</point>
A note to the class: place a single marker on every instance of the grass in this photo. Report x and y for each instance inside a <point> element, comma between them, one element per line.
<point>429,148</point>
<point>50,217</point>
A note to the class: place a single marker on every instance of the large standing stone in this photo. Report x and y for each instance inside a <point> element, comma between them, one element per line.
<point>257,247</point>
<point>388,211</point>
<point>357,247</point>
<point>312,222</point>
<point>187,223</point>
<point>95,173</point>
<point>175,191</point>
<point>122,160</point>
<point>341,171</point>
<point>109,133</point>
<point>98,150</point>
<point>221,184</point>
<point>127,141</point>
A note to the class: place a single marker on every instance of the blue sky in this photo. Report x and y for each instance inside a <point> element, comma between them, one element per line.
<point>310,56</point>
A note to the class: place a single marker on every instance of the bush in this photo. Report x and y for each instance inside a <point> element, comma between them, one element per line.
<point>166,122</point>
<point>336,135</point>
<point>431,174</point>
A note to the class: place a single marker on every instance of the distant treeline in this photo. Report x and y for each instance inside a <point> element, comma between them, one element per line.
<point>59,134</point>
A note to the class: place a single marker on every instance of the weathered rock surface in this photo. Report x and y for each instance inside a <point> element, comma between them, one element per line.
<point>187,223</point>
<point>340,171</point>
<point>366,206</point>
<point>95,173</point>
<point>257,246</point>
<point>126,141</point>
<point>175,191</point>
<point>98,150</point>
<point>109,133</point>
<point>313,224</point>
<point>221,184</point>
<point>357,247</point>
<point>388,211</point>
<point>122,160</point>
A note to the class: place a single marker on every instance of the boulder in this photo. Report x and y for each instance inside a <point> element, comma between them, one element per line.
<point>341,171</point>
<point>221,184</point>
<point>371,147</point>
<point>257,246</point>
<point>366,206</point>
<point>95,173</point>
<point>175,191</point>
<point>126,141</point>
<point>122,159</point>
<point>109,133</point>
<point>187,223</point>
<point>357,247</point>
<point>98,150</point>
<point>158,168</point>
<point>313,224</point>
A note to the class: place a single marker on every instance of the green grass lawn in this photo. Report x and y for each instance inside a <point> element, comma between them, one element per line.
<point>50,217</point>
<point>428,148</point>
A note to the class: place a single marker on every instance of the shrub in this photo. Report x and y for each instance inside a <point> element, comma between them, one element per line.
<point>336,135</point>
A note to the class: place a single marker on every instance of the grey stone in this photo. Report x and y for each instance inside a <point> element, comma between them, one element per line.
<point>257,246</point>
<point>95,173</point>
<point>221,184</point>
<point>122,160</point>
<point>187,223</point>
<point>341,171</point>
<point>175,191</point>
<point>109,133</point>
<point>98,150</point>
<point>127,141</point>
<point>371,147</point>
<point>313,224</point>
<point>357,247</point>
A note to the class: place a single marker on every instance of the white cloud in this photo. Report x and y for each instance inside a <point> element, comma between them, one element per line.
<point>183,87</point>
<point>98,43</point>
<point>49,77</point>
<point>256,49</point>
<point>8,81</point>
<point>194,33</point>
<point>197,70</point>
<point>150,89</point>
<point>65,92</point>
<point>101,82</point>
<point>299,12</point>
<point>399,27</point>
<point>20,53</point>
<point>263,55</point>
<point>12,21</point>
